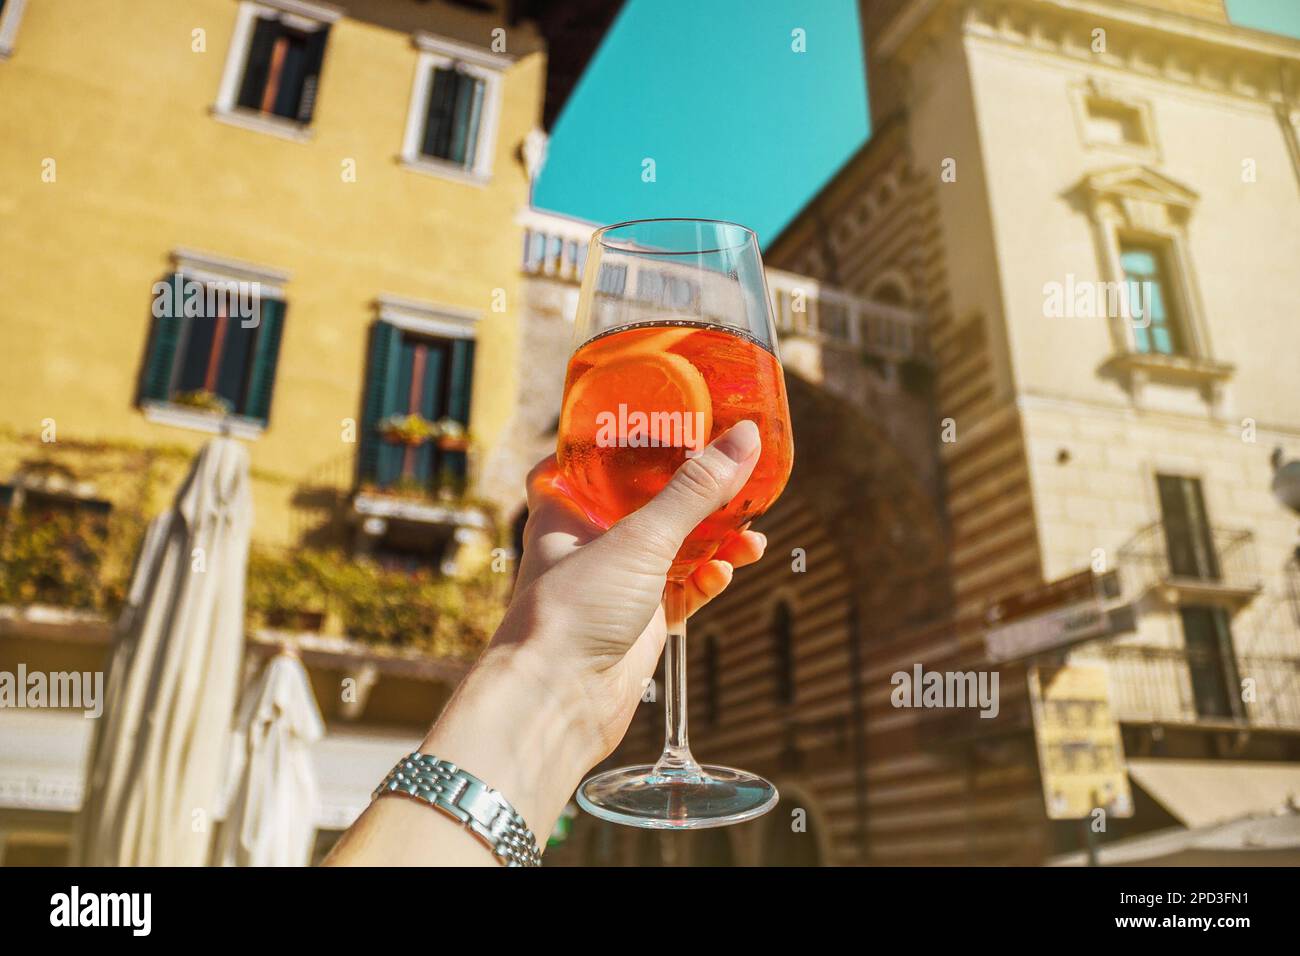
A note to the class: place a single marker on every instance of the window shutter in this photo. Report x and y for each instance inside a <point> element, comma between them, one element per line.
<point>312,69</point>
<point>1188,537</point>
<point>438,118</point>
<point>258,62</point>
<point>458,396</point>
<point>462,380</point>
<point>380,398</point>
<point>156,376</point>
<point>430,408</point>
<point>261,379</point>
<point>469,100</point>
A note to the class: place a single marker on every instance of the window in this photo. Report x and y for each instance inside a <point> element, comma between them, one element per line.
<point>11,12</point>
<point>1211,662</point>
<point>1154,328</point>
<point>422,377</point>
<point>1189,539</point>
<point>213,351</point>
<point>451,127</point>
<point>273,70</point>
<point>452,117</point>
<point>783,653</point>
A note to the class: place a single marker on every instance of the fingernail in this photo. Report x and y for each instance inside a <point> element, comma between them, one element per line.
<point>740,442</point>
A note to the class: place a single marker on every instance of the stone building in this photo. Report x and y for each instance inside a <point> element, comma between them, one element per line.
<point>1023,151</point>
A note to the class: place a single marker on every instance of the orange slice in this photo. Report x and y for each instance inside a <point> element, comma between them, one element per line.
<point>605,401</point>
<point>636,341</point>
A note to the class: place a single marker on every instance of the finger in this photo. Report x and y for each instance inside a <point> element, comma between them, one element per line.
<point>541,480</point>
<point>708,581</point>
<point>742,549</point>
<point>549,505</point>
<point>701,486</point>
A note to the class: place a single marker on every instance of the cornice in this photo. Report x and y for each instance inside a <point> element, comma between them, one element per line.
<point>1222,58</point>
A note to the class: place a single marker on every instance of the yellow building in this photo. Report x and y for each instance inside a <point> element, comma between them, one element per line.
<point>295,222</point>
<point>339,168</point>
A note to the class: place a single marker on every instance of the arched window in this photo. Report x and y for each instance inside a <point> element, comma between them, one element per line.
<point>783,653</point>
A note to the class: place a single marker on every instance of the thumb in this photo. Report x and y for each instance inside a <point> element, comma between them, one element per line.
<point>701,486</point>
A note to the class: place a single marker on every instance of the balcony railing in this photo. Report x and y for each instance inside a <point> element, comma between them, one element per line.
<point>556,248</point>
<point>1154,685</point>
<point>806,308</point>
<point>1229,568</point>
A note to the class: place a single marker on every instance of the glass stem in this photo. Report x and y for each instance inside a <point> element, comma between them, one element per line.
<point>676,761</point>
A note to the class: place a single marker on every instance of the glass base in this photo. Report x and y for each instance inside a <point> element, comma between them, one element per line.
<point>676,799</point>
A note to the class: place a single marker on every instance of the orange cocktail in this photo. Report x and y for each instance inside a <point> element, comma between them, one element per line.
<point>639,399</point>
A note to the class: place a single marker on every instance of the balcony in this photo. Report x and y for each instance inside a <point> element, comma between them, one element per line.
<point>556,248</point>
<point>1157,685</point>
<point>1222,569</point>
<point>804,307</point>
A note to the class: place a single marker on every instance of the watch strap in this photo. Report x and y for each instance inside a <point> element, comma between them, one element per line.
<point>467,799</point>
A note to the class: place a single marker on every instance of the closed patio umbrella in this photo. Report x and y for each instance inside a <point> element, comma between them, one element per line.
<point>159,750</point>
<point>271,815</point>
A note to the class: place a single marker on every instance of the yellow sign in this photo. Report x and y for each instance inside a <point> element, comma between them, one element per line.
<point>1080,752</point>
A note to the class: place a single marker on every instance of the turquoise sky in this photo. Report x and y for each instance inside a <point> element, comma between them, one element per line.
<point>738,124</point>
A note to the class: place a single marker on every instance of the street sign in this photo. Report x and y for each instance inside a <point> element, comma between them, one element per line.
<point>1056,615</point>
<point>1080,750</point>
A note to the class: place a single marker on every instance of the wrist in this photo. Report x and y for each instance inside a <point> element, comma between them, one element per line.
<point>515,729</point>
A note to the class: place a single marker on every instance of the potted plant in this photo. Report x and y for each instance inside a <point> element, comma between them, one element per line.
<point>204,401</point>
<point>286,591</point>
<point>411,430</point>
<point>451,435</point>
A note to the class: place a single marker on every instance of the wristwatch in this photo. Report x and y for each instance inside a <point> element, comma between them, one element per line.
<point>466,798</point>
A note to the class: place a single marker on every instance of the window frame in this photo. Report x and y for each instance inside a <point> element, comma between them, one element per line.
<point>437,52</point>
<point>295,13</point>
<point>1219,662</point>
<point>410,317</point>
<point>10,18</point>
<point>1140,205</point>
<point>1196,526</point>
<point>1161,253</point>
<point>202,267</point>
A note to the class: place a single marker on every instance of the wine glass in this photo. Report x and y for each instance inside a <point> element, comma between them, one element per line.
<point>674,344</point>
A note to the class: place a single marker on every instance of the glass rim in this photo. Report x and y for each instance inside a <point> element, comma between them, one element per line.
<point>631,249</point>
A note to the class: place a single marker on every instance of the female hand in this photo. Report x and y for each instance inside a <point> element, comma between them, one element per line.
<point>555,690</point>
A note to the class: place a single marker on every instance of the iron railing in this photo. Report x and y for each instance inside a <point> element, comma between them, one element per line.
<point>1231,561</point>
<point>1154,684</point>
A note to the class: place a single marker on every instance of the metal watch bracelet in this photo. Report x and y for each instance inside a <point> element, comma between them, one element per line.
<point>466,798</point>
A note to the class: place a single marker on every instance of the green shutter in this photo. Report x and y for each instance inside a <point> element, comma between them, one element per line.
<point>311,81</point>
<point>430,402</point>
<point>380,399</point>
<point>462,380</point>
<point>266,353</point>
<point>258,62</point>
<point>156,376</point>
